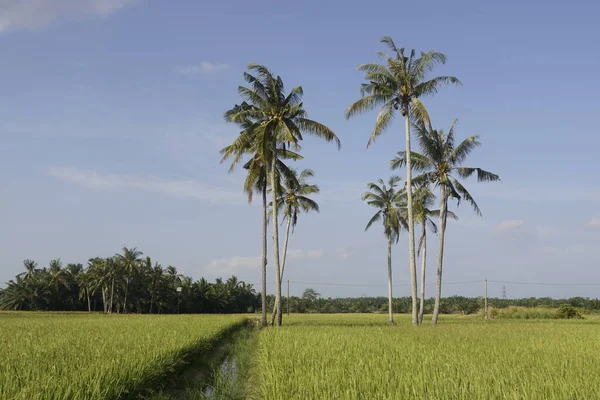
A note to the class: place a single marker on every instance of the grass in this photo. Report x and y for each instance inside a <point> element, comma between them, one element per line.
<point>81,356</point>
<point>358,356</point>
<point>344,356</point>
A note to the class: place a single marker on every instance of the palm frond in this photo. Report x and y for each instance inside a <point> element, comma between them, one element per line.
<point>374,219</point>
<point>467,196</point>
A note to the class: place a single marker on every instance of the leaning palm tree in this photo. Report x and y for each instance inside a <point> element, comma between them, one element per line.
<point>387,199</point>
<point>441,160</point>
<point>398,86</point>
<point>274,120</point>
<point>257,181</point>
<point>292,201</point>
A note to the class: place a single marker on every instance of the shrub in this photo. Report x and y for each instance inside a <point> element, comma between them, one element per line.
<point>567,311</point>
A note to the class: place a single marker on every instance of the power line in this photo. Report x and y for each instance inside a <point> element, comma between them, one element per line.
<point>548,284</point>
<point>432,284</point>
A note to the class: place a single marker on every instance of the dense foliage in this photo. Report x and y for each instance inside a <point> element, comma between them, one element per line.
<point>123,283</point>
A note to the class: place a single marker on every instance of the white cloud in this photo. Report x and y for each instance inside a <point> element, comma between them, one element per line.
<point>183,188</point>
<point>305,254</point>
<point>239,264</point>
<point>33,14</point>
<point>510,225</point>
<point>343,252</point>
<point>594,222</point>
<point>233,265</point>
<point>204,67</point>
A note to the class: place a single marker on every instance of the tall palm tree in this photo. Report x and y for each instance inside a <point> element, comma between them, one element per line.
<point>130,260</point>
<point>441,160</point>
<point>387,199</point>
<point>293,200</point>
<point>257,181</point>
<point>398,86</point>
<point>274,120</point>
<point>423,200</point>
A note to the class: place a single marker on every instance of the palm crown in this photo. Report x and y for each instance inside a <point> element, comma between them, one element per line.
<point>398,85</point>
<point>389,200</point>
<point>442,160</point>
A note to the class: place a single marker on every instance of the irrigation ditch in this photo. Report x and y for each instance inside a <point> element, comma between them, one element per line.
<point>222,372</point>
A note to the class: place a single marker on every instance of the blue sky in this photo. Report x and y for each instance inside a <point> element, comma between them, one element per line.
<point>111,120</point>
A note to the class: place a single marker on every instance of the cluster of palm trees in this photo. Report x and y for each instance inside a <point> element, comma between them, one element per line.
<point>272,123</point>
<point>398,86</point>
<point>123,283</point>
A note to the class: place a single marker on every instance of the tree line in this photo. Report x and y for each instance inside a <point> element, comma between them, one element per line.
<point>273,123</point>
<point>123,283</point>
<point>312,302</point>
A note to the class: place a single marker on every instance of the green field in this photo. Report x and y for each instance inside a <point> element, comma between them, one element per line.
<point>352,356</point>
<point>359,357</point>
<point>81,356</point>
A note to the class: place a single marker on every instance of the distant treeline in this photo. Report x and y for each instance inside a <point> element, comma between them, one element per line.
<point>310,302</point>
<point>129,283</point>
<point>124,283</point>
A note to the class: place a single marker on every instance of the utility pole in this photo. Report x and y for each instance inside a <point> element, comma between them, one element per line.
<point>288,302</point>
<point>504,292</point>
<point>485,303</point>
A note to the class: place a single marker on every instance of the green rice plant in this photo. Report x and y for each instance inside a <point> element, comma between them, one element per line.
<point>94,356</point>
<point>361,357</point>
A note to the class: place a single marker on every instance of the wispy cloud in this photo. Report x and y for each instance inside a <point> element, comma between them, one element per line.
<point>233,265</point>
<point>594,222</point>
<point>238,264</point>
<point>180,188</point>
<point>204,67</point>
<point>305,254</point>
<point>510,225</point>
<point>34,14</point>
<point>343,252</point>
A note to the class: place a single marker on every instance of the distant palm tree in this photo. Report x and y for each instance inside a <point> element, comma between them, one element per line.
<point>441,160</point>
<point>398,86</point>
<point>387,199</point>
<point>30,269</point>
<point>292,201</point>
<point>274,120</point>
<point>129,260</point>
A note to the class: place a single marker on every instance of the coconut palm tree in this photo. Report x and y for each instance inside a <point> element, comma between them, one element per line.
<point>274,120</point>
<point>387,199</point>
<point>423,200</point>
<point>129,260</point>
<point>398,86</point>
<point>30,269</point>
<point>257,181</point>
<point>292,201</point>
<point>441,160</point>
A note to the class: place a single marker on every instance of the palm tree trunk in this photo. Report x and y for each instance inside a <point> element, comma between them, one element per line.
<point>389,254</point>
<point>151,302</point>
<point>285,247</point>
<point>126,290</point>
<point>438,284</point>
<point>264,257</point>
<point>411,223</point>
<point>89,301</point>
<point>276,240</point>
<point>112,294</point>
<point>104,302</point>
<point>423,267</point>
